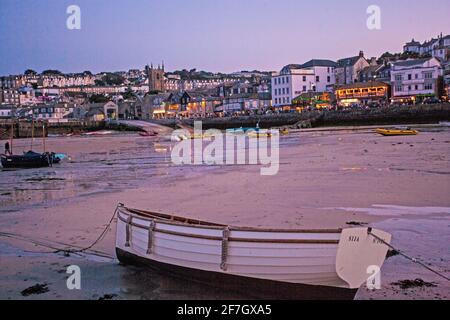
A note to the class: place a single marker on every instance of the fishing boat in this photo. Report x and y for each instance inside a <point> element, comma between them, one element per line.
<point>148,134</point>
<point>397,132</point>
<point>263,263</point>
<point>29,159</point>
<point>259,134</point>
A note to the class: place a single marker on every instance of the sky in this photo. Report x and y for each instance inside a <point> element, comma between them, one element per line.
<point>212,35</point>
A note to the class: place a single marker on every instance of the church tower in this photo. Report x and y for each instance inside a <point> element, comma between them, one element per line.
<point>155,78</point>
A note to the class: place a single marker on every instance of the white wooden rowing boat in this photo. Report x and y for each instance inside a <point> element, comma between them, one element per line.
<point>329,258</point>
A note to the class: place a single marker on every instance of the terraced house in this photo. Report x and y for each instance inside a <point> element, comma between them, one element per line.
<point>415,80</point>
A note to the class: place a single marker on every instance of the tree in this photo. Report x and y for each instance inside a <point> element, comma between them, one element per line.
<point>113,79</point>
<point>129,94</point>
<point>51,72</point>
<point>30,72</point>
<point>98,98</point>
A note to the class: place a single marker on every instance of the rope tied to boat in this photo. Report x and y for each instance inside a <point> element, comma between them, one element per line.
<point>151,229</point>
<point>414,260</point>
<point>67,252</point>
<point>225,239</point>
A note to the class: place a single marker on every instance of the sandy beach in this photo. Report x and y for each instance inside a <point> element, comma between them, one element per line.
<point>327,179</point>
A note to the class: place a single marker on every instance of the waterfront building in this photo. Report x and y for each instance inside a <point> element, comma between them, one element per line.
<point>363,93</point>
<point>102,111</point>
<point>293,80</point>
<point>317,100</point>
<point>377,72</point>
<point>246,103</point>
<point>414,80</point>
<point>52,112</point>
<point>348,69</point>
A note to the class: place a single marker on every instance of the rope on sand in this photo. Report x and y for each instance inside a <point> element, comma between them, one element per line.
<point>70,249</point>
<point>414,260</point>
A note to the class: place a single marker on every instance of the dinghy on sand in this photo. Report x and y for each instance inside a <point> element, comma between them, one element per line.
<point>263,263</point>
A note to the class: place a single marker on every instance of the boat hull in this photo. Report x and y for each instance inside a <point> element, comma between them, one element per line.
<point>308,264</point>
<point>388,133</point>
<point>40,161</point>
<point>250,287</point>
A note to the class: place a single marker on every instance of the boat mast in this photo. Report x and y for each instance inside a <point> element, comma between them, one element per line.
<point>32,128</point>
<point>12,136</point>
<point>43,134</point>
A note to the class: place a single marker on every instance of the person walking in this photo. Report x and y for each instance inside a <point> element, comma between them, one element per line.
<point>7,148</point>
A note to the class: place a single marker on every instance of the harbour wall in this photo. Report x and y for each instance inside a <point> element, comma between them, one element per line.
<point>416,114</point>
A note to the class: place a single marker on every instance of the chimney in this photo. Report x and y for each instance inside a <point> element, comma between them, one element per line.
<point>361,54</point>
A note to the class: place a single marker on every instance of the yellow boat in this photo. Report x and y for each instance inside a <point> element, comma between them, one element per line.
<point>284,132</point>
<point>256,134</point>
<point>397,132</point>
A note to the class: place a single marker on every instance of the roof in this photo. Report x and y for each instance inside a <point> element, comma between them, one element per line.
<point>413,43</point>
<point>348,61</point>
<point>410,63</point>
<point>370,84</point>
<point>430,42</point>
<point>319,63</point>
<point>290,67</point>
<point>371,69</point>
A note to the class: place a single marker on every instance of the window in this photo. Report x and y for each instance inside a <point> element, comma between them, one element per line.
<point>284,91</point>
<point>304,88</point>
<point>328,79</point>
<point>317,79</point>
<point>288,100</point>
<point>416,87</point>
<point>398,77</point>
<point>409,76</point>
<point>429,86</point>
<point>304,78</point>
<point>398,88</point>
<point>282,80</point>
<point>428,75</point>
<point>409,88</point>
<point>287,90</point>
<point>287,80</point>
<point>417,76</point>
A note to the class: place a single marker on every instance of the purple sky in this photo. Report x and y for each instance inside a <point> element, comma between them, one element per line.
<point>214,35</point>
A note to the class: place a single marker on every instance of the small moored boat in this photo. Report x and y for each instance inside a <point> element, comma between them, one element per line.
<point>397,132</point>
<point>29,159</point>
<point>268,263</point>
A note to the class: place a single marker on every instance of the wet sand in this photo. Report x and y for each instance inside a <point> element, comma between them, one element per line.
<point>326,179</point>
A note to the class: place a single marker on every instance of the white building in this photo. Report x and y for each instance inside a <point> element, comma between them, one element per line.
<point>416,79</point>
<point>293,80</point>
<point>6,111</point>
<point>435,46</point>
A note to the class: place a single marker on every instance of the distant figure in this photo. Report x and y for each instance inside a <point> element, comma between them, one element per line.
<point>7,150</point>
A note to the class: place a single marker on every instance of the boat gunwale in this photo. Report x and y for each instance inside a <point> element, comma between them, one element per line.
<point>233,239</point>
<point>150,216</point>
